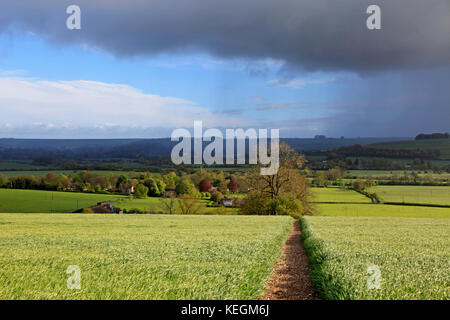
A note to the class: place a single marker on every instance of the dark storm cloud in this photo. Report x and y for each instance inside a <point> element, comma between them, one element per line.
<point>305,34</point>
<point>400,104</point>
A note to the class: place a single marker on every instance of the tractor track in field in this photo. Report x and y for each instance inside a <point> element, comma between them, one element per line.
<point>290,280</point>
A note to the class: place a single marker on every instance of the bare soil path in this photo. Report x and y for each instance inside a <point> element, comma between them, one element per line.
<point>290,280</point>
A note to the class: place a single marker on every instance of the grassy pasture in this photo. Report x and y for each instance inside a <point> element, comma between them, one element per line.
<point>138,256</point>
<point>413,256</point>
<point>37,201</point>
<point>439,195</point>
<point>152,204</point>
<point>338,195</point>
<point>377,210</point>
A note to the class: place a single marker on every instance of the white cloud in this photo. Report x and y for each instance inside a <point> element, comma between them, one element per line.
<point>63,104</point>
<point>297,83</point>
<point>11,73</point>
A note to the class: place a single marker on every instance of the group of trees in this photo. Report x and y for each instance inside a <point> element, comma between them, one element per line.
<point>365,151</point>
<point>325,178</point>
<point>141,184</point>
<point>412,178</point>
<point>361,185</point>
<point>424,136</point>
<point>376,164</point>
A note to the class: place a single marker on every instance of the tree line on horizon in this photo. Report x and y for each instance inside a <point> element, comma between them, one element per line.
<point>430,136</point>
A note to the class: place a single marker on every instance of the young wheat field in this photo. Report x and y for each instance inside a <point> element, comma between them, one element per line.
<point>409,257</point>
<point>138,256</point>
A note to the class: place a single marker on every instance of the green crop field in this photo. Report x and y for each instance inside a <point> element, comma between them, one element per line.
<point>378,210</point>
<point>412,257</point>
<point>338,195</point>
<point>153,204</point>
<point>138,256</point>
<point>36,201</point>
<point>439,195</point>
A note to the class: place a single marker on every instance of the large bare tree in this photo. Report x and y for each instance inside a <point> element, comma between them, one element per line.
<point>287,183</point>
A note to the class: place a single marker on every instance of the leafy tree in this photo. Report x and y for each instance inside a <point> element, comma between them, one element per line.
<point>185,186</point>
<point>205,185</point>
<point>63,182</point>
<point>334,174</point>
<point>359,185</point>
<point>188,204</point>
<point>286,205</point>
<point>222,186</point>
<point>2,180</point>
<point>320,180</point>
<point>141,191</point>
<point>153,189</point>
<point>287,182</point>
<point>121,180</point>
<point>216,197</point>
<point>161,185</point>
<point>233,185</point>
<point>254,204</point>
<point>170,180</point>
<point>169,204</point>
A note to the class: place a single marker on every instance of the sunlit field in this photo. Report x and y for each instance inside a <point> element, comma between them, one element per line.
<point>138,256</point>
<point>377,210</point>
<point>338,195</point>
<point>37,201</point>
<point>411,255</point>
<point>439,195</point>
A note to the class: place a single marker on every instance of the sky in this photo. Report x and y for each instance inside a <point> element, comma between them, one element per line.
<point>140,69</point>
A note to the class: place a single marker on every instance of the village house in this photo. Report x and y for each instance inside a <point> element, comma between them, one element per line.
<point>227,202</point>
<point>127,189</point>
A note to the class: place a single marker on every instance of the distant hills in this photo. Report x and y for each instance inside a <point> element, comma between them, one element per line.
<point>67,152</point>
<point>304,144</point>
<point>32,149</point>
<point>443,145</point>
<point>163,146</point>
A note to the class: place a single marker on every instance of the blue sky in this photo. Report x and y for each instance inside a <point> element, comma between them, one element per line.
<point>160,69</point>
<point>239,88</point>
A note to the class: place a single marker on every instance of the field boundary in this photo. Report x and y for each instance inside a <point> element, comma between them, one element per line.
<point>417,204</point>
<point>334,202</point>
